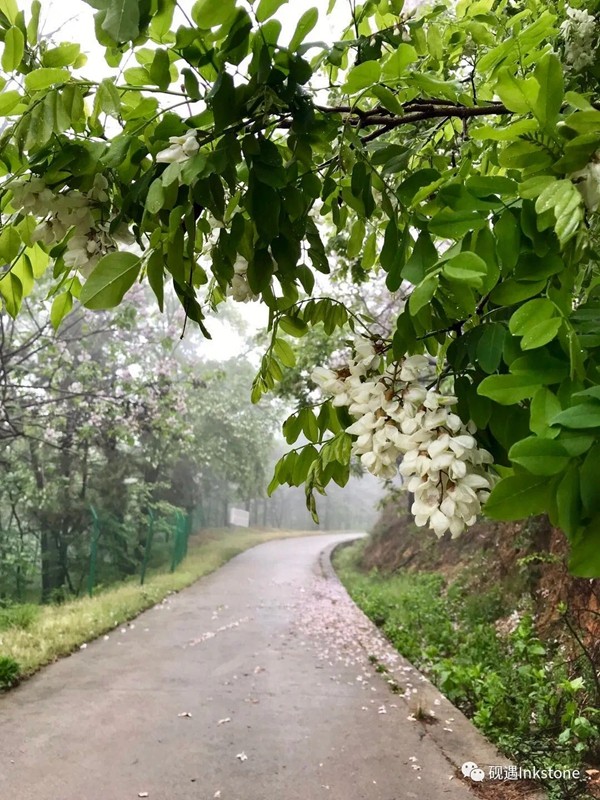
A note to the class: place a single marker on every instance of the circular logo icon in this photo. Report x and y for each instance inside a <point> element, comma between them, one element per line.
<point>468,767</point>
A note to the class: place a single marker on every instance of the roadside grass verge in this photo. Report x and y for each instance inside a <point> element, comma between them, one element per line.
<point>33,636</point>
<point>530,697</point>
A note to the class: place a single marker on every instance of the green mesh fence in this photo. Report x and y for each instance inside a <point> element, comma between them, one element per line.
<point>116,552</point>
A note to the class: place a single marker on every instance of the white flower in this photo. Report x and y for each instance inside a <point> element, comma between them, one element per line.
<point>398,420</point>
<point>587,180</point>
<point>414,367</point>
<point>240,289</point>
<point>579,34</point>
<point>180,149</point>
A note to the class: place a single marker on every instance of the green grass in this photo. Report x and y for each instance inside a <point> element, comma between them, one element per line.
<point>32,636</point>
<point>539,709</point>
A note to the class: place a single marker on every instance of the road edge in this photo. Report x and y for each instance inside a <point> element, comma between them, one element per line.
<point>464,742</point>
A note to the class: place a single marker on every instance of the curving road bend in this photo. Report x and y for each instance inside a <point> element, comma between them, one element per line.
<point>253,684</point>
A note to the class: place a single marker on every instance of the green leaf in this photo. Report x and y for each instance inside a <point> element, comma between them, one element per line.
<point>509,292</point>
<point>568,501</point>
<point>61,306</point>
<point>576,445</point>
<point>24,272</point>
<point>310,426</point>
<point>9,101</point>
<point>64,55</point>
<point>565,200</point>
<point>266,8</point>
<point>518,496</point>
<point>537,322</point>
<point>362,76</point>
<point>260,270</point>
<point>357,236</point>
<point>549,75</point>
<point>402,55</point>
<point>455,224</point>
<point>508,389</point>
<point>388,100</point>
<point>117,151</point>
<point>544,407</point>
<point>10,244</point>
<point>540,456</point>
<point>14,48</point>
<point>191,84</point>
<point>541,334</point>
<point>589,479</point>
<point>423,256</point>
<point>265,205</point>
<point>544,367</point>
<point>156,196</point>
<point>10,9</point>
<point>305,458</point>
<point>466,267</point>
<point>12,292</point>
<point>584,561</point>
<point>292,428</point>
<point>306,23</point>
<point>508,241</point>
<point>490,346</point>
<point>533,187</point>
<point>530,314</point>
<point>210,13</point>
<point>422,294</point>
<point>122,21</point>
<point>155,269</point>
<point>586,415</point>
<point>591,391</point>
<point>110,279</point>
<point>517,94</point>
<point>293,325</point>
<point>486,185</point>
<point>34,23</point>
<point>44,77</point>
<point>284,353</point>
<point>160,69</point>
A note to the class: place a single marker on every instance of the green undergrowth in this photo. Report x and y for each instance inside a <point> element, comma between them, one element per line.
<point>32,636</point>
<point>536,702</point>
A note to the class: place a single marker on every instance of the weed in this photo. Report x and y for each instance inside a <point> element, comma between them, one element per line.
<point>522,693</point>
<point>18,616</point>
<point>9,672</point>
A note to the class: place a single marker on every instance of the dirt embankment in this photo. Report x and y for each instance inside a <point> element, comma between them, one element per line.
<point>528,560</point>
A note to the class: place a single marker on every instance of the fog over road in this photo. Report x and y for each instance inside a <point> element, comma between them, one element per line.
<point>253,684</point>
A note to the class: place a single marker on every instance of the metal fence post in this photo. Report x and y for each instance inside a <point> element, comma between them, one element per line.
<point>93,550</point>
<point>176,537</point>
<point>148,546</point>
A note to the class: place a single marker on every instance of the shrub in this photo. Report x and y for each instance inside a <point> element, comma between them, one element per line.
<point>9,672</point>
<point>18,616</point>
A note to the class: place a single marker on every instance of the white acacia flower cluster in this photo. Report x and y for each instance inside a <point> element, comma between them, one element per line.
<point>70,212</point>
<point>397,417</point>
<point>587,181</point>
<point>239,288</point>
<point>180,149</point>
<point>580,36</point>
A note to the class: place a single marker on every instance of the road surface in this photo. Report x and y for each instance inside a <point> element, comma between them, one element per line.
<point>250,685</point>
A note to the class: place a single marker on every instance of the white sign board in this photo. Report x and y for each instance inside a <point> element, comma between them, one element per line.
<point>238,516</point>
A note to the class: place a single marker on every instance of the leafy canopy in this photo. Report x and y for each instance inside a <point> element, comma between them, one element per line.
<point>456,146</point>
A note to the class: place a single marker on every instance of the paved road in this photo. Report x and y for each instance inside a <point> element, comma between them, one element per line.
<point>284,702</point>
